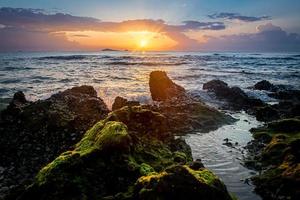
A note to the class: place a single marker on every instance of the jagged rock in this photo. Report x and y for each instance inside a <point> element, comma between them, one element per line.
<point>34,133</point>
<point>163,88</point>
<point>264,85</point>
<point>183,113</point>
<point>121,102</point>
<point>236,98</point>
<point>279,156</point>
<point>117,159</point>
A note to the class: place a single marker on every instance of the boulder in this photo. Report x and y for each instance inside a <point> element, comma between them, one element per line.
<point>184,114</point>
<point>264,85</point>
<point>117,159</point>
<point>121,102</point>
<point>163,88</point>
<point>34,133</point>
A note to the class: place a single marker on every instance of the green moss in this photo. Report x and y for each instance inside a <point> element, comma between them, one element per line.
<point>180,157</point>
<point>204,175</point>
<point>146,169</point>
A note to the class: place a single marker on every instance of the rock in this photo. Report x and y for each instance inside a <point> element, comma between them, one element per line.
<point>267,114</point>
<point>236,98</point>
<point>180,182</point>
<point>39,131</point>
<point>280,159</point>
<point>184,114</point>
<point>121,102</point>
<point>264,85</point>
<point>124,164</point>
<point>288,95</point>
<point>163,88</point>
<point>214,85</point>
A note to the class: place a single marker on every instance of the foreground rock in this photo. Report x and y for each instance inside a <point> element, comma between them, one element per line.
<point>276,151</point>
<point>128,155</point>
<point>236,98</point>
<point>183,113</point>
<point>34,133</point>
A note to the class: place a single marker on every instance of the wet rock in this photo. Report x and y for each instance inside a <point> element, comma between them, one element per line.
<point>287,95</point>
<point>180,182</point>
<point>163,88</point>
<point>264,85</point>
<point>121,102</point>
<point>39,131</point>
<point>184,114</point>
<point>236,98</point>
<point>279,158</point>
<point>124,164</point>
<point>267,114</point>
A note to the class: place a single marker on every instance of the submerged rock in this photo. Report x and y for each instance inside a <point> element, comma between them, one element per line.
<point>121,102</point>
<point>128,155</point>
<point>279,157</point>
<point>163,88</point>
<point>236,98</point>
<point>34,133</point>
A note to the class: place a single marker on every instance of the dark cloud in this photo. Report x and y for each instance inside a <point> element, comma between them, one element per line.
<point>268,38</point>
<point>237,16</point>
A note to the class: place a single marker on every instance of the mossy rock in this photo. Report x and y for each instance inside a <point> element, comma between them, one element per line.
<point>180,182</point>
<point>109,159</point>
<point>281,159</point>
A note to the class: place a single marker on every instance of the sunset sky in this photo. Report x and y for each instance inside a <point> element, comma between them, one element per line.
<point>178,25</point>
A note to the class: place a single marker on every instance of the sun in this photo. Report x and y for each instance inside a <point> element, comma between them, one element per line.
<point>143,43</point>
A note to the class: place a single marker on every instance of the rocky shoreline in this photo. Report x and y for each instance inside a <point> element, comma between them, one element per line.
<point>70,146</point>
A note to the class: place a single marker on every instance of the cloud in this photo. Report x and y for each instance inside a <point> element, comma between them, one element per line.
<point>40,21</point>
<point>203,25</point>
<point>237,16</point>
<point>267,38</point>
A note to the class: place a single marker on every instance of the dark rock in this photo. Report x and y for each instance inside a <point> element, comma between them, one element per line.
<point>163,88</point>
<point>121,102</point>
<point>267,114</point>
<point>288,95</point>
<point>264,85</point>
<point>184,114</point>
<point>279,157</point>
<point>236,98</point>
<point>214,85</point>
<point>116,159</point>
<point>34,133</point>
<point>197,164</point>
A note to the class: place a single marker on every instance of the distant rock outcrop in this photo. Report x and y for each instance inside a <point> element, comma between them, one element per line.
<point>34,133</point>
<point>264,85</point>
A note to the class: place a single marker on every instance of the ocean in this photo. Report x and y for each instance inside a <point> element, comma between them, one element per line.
<point>126,74</point>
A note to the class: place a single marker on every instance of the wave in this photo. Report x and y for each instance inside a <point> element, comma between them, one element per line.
<point>146,63</point>
<point>71,57</point>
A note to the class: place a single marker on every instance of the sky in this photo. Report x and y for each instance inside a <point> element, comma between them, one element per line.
<point>141,25</point>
